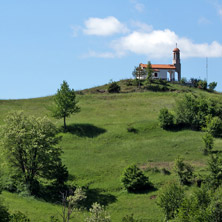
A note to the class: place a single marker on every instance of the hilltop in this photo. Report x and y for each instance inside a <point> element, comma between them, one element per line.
<point>98,147</point>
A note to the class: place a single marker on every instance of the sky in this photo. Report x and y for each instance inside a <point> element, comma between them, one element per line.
<point>90,43</point>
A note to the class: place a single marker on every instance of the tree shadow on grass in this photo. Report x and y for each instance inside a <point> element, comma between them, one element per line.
<point>144,191</point>
<point>85,130</point>
<point>96,195</point>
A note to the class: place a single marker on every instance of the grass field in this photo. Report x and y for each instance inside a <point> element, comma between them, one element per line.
<point>98,147</point>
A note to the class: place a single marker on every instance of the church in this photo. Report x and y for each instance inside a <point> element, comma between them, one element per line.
<point>166,72</point>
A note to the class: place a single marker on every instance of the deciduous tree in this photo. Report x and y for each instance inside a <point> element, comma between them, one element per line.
<point>65,103</point>
<point>30,147</point>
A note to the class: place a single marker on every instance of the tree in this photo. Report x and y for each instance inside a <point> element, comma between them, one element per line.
<point>98,214</point>
<point>65,103</point>
<point>138,72</point>
<point>134,180</point>
<point>215,168</point>
<point>212,86</point>
<point>71,203</point>
<point>184,171</point>
<point>170,199</point>
<point>29,145</point>
<point>149,72</point>
<point>208,142</point>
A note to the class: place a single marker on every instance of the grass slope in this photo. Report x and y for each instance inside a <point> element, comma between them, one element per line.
<point>98,147</point>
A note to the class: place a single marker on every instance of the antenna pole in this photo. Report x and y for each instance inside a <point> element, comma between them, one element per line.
<point>207,68</point>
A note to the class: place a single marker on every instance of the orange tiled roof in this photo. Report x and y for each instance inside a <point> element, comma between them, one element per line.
<point>159,66</point>
<point>176,50</point>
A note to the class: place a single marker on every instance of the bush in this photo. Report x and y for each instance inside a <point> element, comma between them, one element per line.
<point>202,84</point>
<point>166,119</point>
<point>114,88</point>
<point>184,171</point>
<point>98,214</point>
<point>208,142</point>
<point>215,168</point>
<point>216,206</point>
<point>19,217</point>
<point>212,86</point>
<point>183,81</point>
<point>194,82</point>
<point>170,199</point>
<point>134,180</point>
<point>214,126</point>
<point>132,130</point>
<point>192,110</point>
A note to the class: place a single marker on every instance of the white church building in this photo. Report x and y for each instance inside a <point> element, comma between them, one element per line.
<point>166,72</point>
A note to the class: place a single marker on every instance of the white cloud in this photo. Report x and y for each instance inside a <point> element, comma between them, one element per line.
<point>142,27</point>
<point>104,27</point>
<point>159,44</point>
<point>137,5</point>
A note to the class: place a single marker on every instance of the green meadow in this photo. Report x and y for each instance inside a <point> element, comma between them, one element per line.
<point>98,147</point>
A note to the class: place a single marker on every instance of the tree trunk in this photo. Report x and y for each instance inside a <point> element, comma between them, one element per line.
<point>64,123</point>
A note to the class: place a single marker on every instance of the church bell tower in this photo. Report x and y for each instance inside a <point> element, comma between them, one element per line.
<point>176,62</point>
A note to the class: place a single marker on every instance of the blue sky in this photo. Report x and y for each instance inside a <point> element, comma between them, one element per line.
<point>88,43</point>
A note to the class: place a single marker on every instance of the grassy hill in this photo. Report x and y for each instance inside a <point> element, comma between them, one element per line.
<point>98,147</point>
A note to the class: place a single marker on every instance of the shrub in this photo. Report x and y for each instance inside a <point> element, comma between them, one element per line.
<point>194,82</point>
<point>212,86</point>
<point>134,180</point>
<point>170,199</point>
<point>214,126</point>
<point>166,119</point>
<point>114,88</point>
<point>216,206</point>
<point>202,84</point>
<point>192,110</point>
<point>132,130</point>
<point>183,81</point>
<point>19,217</point>
<point>215,168</point>
<point>98,214</point>
<point>208,142</point>
<point>184,171</point>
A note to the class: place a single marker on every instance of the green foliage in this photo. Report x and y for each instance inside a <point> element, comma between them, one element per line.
<point>138,73</point>
<point>29,146</point>
<point>166,119</point>
<point>98,214</point>
<point>19,217</point>
<point>208,143</point>
<point>134,180</point>
<point>216,206</point>
<point>4,214</point>
<point>192,110</point>
<point>65,103</point>
<point>72,203</point>
<point>214,126</point>
<point>183,81</point>
<point>170,199</point>
<point>202,84</point>
<point>215,168</point>
<point>114,88</point>
<point>148,72</point>
<point>212,86</point>
<point>184,171</point>
<point>194,82</point>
